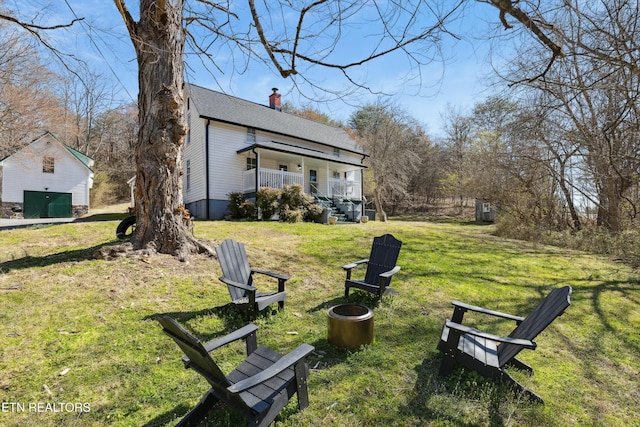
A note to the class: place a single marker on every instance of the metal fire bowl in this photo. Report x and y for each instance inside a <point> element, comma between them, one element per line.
<point>350,325</point>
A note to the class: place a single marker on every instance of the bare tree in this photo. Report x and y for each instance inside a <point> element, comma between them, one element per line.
<point>391,138</point>
<point>28,105</point>
<point>458,132</point>
<point>593,95</point>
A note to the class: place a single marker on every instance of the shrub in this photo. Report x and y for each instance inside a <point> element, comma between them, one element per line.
<point>291,215</point>
<point>293,196</point>
<point>268,202</point>
<point>312,213</point>
<point>294,199</point>
<point>240,207</point>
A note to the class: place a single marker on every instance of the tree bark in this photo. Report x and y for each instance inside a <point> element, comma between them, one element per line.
<point>159,39</point>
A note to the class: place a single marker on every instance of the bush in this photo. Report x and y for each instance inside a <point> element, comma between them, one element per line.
<point>268,201</point>
<point>294,199</point>
<point>293,196</point>
<point>312,213</point>
<point>239,207</point>
<point>291,215</point>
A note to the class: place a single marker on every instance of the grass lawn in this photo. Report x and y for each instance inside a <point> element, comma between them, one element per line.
<point>79,331</point>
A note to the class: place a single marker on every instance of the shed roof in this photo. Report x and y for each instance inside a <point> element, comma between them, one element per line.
<point>229,109</point>
<point>81,157</point>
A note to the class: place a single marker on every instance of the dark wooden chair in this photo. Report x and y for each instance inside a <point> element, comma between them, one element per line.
<point>238,276</point>
<point>489,354</point>
<point>258,388</point>
<point>381,265</point>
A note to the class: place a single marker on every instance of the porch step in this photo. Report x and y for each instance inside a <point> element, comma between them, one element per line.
<point>328,203</point>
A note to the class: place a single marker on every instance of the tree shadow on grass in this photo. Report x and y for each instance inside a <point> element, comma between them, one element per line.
<point>171,415</point>
<point>356,297</point>
<point>450,400</point>
<point>232,317</point>
<point>52,259</point>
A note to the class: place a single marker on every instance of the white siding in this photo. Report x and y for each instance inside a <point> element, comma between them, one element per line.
<point>23,171</point>
<point>226,166</point>
<point>194,151</point>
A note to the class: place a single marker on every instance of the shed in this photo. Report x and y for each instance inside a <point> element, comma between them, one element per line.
<point>46,179</point>
<point>485,211</point>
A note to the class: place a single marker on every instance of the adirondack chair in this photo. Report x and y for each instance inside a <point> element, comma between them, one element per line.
<point>381,265</point>
<point>489,354</point>
<point>238,276</point>
<point>258,388</point>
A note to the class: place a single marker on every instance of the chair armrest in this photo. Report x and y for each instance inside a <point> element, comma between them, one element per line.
<point>391,272</point>
<point>482,310</point>
<point>354,264</point>
<point>237,284</point>
<point>282,364</point>
<point>241,333</point>
<point>475,332</point>
<point>270,274</point>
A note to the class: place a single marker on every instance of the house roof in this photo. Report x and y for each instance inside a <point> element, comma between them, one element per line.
<point>229,109</point>
<point>291,149</point>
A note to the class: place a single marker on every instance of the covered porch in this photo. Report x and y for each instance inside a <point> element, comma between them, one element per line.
<point>320,174</point>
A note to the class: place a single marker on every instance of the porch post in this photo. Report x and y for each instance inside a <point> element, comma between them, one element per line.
<point>304,180</point>
<point>257,170</point>
<point>327,184</point>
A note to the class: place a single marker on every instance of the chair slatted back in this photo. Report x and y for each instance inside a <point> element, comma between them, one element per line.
<point>537,321</point>
<point>234,265</point>
<point>384,255</point>
<point>199,359</point>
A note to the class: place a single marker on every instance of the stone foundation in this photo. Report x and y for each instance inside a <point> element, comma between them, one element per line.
<point>15,210</point>
<point>12,210</point>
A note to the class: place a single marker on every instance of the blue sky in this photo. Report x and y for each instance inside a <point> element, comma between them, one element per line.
<point>457,81</point>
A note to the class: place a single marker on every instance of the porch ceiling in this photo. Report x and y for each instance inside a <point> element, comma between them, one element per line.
<point>299,151</point>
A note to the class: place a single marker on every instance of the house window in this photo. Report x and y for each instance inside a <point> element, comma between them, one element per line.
<point>48,165</point>
<point>251,163</point>
<point>251,135</point>
<point>336,175</point>
<point>283,168</point>
<point>188,128</point>
<point>188,174</point>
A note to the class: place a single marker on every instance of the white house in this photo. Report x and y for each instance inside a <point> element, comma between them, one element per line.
<point>46,179</point>
<point>236,145</point>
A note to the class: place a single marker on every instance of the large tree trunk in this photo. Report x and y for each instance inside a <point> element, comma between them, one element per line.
<point>159,39</point>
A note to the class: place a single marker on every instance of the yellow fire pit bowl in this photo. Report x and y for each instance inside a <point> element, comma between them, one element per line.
<point>350,325</point>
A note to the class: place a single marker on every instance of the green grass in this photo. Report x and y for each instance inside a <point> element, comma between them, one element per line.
<point>76,329</point>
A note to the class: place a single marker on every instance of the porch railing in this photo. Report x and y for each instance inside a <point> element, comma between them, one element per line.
<point>344,188</point>
<point>271,178</point>
<point>337,188</point>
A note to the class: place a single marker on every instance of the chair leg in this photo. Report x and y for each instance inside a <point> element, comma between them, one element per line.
<point>199,412</point>
<point>446,365</point>
<point>519,388</point>
<point>301,384</point>
<point>518,364</point>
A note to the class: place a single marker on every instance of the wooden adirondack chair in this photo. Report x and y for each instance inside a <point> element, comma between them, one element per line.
<point>489,354</point>
<point>258,388</point>
<point>238,276</point>
<point>381,265</point>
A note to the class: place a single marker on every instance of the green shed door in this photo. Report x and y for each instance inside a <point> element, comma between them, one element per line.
<point>38,204</point>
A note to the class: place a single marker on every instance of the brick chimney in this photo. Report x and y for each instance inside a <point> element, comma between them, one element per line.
<point>274,100</point>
